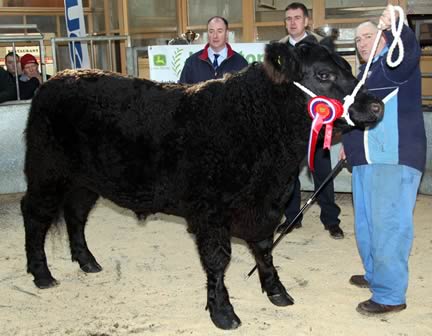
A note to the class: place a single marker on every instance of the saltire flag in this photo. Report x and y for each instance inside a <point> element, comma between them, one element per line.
<point>75,25</point>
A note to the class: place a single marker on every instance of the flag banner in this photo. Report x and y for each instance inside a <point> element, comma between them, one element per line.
<point>167,61</point>
<point>75,25</point>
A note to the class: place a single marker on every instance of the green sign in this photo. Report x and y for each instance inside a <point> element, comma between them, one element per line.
<point>159,60</point>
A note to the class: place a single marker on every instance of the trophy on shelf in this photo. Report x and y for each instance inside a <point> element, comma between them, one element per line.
<point>186,38</point>
<point>190,36</point>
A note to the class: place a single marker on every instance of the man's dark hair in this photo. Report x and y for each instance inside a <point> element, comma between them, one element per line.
<point>218,17</point>
<point>10,53</point>
<point>298,5</point>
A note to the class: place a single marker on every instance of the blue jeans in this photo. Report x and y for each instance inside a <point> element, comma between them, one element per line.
<point>384,199</point>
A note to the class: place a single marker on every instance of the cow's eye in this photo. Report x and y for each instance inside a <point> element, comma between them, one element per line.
<point>326,76</point>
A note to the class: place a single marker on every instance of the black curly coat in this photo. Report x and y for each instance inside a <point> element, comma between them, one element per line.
<point>222,154</point>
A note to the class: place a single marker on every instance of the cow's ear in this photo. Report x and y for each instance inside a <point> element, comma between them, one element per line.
<point>329,43</point>
<point>281,63</point>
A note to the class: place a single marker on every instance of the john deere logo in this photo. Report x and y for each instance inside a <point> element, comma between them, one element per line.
<point>159,60</point>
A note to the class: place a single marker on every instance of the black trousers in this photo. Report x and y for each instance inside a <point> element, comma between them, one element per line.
<point>326,199</point>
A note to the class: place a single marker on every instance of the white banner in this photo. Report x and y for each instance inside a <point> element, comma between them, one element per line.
<point>75,26</point>
<point>167,61</point>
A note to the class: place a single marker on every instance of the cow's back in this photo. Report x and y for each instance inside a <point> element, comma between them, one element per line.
<point>100,129</point>
<point>93,102</point>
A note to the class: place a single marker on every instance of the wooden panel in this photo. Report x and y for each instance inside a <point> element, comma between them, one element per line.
<point>124,30</point>
<point>143,68</point>
<point>318,14</point>
<point>124,20</point>
<point>426,66</point>
<point>37,3</point>
<point>352,60</point>
<point>41,3</point>
<point>248,7</point>
<point>181,16</point>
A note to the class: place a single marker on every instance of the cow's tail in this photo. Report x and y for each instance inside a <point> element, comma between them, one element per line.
<point>46,167</point>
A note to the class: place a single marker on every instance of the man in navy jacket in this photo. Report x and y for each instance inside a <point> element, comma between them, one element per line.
<point>217,57</point>
<point>388,160</point>
<point>7,86</point>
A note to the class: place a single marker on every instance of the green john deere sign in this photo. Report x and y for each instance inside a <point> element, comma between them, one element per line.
<point>159,60</point>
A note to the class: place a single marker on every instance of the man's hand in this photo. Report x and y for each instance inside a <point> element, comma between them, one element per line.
<point>36,75</point>
<point>342,155</point>
<point>385,19</point>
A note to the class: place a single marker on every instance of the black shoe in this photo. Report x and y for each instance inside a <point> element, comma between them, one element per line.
<point>371,308</point>
<point>283,226</point>
<point>335,232</point>
<point>359,281</point>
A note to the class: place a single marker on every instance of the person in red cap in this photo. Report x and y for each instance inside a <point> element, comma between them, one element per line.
<point>30,68</point>
<point>31,78</point>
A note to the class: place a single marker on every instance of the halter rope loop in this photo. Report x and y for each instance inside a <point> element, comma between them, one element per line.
<point>348,100</point>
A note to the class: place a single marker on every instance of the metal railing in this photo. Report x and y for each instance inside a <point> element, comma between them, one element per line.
<point>132,60</point>
<point>55,41</point>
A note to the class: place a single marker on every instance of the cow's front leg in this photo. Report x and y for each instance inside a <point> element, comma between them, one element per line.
<point>269,278</point>
<point>215,251</point>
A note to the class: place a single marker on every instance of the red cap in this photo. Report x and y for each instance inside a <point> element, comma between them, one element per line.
<point>27,59</point>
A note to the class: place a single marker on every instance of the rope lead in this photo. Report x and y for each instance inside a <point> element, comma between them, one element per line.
<point>348,100</point>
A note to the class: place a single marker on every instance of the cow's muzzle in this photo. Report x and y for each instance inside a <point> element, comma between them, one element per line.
<point>366,112</point>
<point>376,112</point>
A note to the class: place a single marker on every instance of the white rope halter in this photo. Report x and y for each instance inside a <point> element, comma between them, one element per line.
<point>348,100</point>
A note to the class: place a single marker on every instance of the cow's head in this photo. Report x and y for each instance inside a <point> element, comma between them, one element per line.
<point>321,70</point>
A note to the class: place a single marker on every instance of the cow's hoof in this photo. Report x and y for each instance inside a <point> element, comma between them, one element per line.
<point>225,319</point>
<point>281,300</point>
<point>278,295</point>
<point>45,283</point>
<point>91,267</point>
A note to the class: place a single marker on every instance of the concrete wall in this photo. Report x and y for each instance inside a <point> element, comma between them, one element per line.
<point>13,120</point>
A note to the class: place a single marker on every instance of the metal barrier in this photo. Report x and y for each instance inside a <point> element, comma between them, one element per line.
<point>55,41</point>
<point>13,38</point>
<point>132,60</point>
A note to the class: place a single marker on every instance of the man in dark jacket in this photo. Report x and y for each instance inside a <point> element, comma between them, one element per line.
<point>296,21</point>
<point>217,57</point>
<point>12,62</point>
<point>7,86</point>
<point>31,78</point>
<point>13,68</point>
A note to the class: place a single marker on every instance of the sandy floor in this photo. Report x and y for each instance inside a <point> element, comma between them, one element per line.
<point>153,284</point>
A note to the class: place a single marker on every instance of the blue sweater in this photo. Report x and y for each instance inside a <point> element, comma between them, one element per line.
<point>198,67</point>
<point>399,138</point>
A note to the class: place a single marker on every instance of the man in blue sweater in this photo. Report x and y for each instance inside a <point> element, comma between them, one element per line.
<point>217,57</point>
<point>388,161</point>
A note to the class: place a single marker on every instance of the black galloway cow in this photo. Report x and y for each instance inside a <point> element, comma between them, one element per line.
<point>221,154</point>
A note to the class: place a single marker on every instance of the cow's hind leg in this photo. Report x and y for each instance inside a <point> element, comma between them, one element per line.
<point>77,205</point>
<point>214,247</point>
<point>39,212</point>
<point>269,278</point>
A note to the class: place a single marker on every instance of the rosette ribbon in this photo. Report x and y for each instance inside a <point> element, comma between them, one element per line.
<point>323,111</point>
